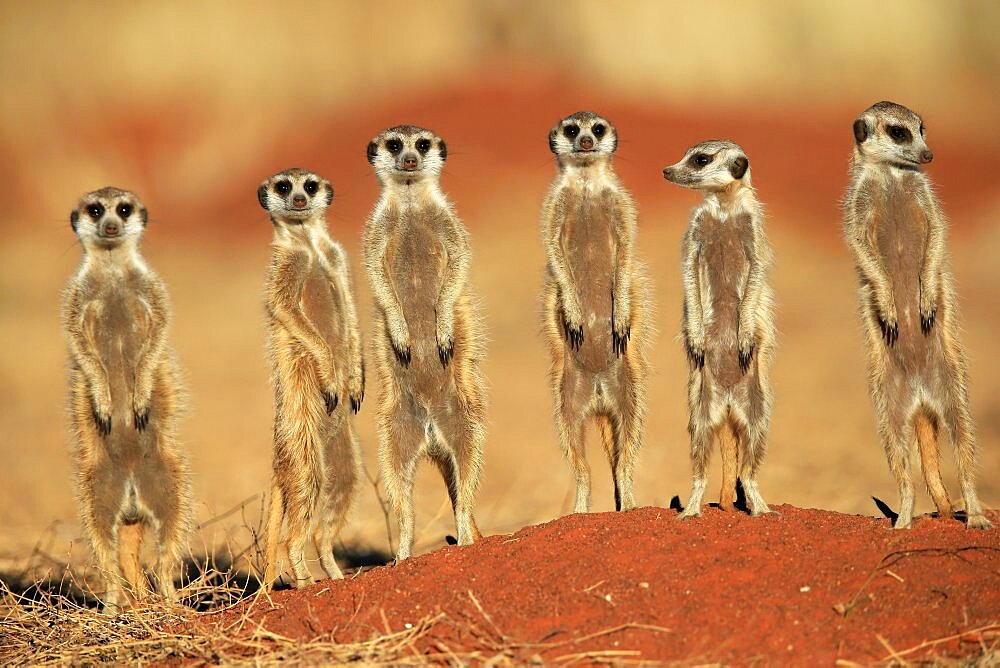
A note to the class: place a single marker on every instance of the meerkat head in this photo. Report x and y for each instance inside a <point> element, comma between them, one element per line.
<point>887,132</point>
<point>407,154</point>
<point>712,166</point>
<point>295,196</point>
<point>582,138</point>
<point>108,218</point>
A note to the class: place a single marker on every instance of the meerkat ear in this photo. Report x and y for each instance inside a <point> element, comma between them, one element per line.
<point>262,196</point>
<point>144,216</point>
<point>74,217</point>
<point>738,168</point>
<point>552,140</point>
<point>860,130</point>
<point>443,149</point>
<point>329,194</point>
<point>372,150</point>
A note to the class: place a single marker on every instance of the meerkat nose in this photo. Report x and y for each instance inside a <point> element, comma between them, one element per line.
<point>111,229</point>
<point>299,200</point>
<point>586,143</point>
<point>409,162</point>
<point>926,156</point>
<point>668,173</point>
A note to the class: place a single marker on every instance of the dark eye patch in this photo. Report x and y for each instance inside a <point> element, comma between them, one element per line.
<point>124,210</point>
<point>283,187</point>
<point>899,134</point>
<point>423,145</point>
<point>394,146</point>
<point>571,131</point>
<point>95,211</point>
<point>311,187</point>
<point>699,160</point>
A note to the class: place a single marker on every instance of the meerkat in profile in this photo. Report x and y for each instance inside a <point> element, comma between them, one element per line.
<point>728,323</point>
<point>916,364</point>
<point>125,396</point>
<point>596,305</point>
<point>428,338</point>
<point>318,373</point>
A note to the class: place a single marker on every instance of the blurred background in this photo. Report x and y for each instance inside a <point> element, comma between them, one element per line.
<point>192,104</point>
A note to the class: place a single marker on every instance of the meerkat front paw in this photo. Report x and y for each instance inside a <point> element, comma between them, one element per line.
<point>621,332</point>
<point>746,349</point>
<point>330,400</point>
<point>887,320</point>
<point>140,409</point>
<point>101,412</point>
<point>400,338</point>
<point>445,341</point>
<point>573,325</point>
<point>356,390</point>
<point>696,350</point>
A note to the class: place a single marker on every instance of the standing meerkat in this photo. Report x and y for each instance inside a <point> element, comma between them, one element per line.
<point>728,324</point>
<point>428,338</point>
<point>315,350</point>
<point>596,305</point>
<point>125,396</point>
<point>916,364</point>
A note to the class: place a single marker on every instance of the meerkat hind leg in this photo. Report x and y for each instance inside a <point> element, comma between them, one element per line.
<point>701,454</point>
<point>927,442</point>
<point>965,463</point>
<point>295,543</point>
<point>729,451</point>
<point>570,428</point>
<point>897,454</point>
<point>397,463</point>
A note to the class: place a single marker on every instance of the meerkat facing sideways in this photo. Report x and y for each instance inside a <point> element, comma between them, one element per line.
<point>428,339</point>
<point>315,350</point>
<point>728,322</point>
<point>125,396</point>
<point>596,304</point>
<point>917,369</point>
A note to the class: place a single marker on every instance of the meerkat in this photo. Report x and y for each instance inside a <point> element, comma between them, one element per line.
<point>916,363</point>
<point>125,397</point>
<point>314,346</point>
<point>596,305</point>
<point>428,339</point>
<point>728,321</point>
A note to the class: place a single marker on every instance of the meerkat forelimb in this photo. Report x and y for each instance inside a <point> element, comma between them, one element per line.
<point>728,322</point>
<point>428,341</point>
<point>596,304</point>
<point>125,397</point>
<point>314,346</point>
<point>918,375</point>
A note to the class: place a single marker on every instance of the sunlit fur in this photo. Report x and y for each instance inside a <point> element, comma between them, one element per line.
<point>728,321</point>
<point>125,397</point>
<point>314,346</point>
<point>917,370</point>
<point>428,341</point>
<point>597,310</point>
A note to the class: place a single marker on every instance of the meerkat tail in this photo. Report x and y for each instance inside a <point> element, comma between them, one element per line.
<point>129,546</point>
<point>930,463</point>
<point>729,450</point>
<point>275,513</point>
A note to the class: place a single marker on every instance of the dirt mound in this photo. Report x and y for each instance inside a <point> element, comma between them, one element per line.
<point>805,586</point>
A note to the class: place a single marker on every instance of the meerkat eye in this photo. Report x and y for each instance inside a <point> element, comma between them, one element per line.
<point>423,145</point>
<point>283,187</point>
<point>394,146</point>
<point>699,160</point>
<point>311,187</point>
<point>124,210</point>
<point>571,131</point>
<point>899,134</point>
<point>95,211</point>
<point>598,130</point>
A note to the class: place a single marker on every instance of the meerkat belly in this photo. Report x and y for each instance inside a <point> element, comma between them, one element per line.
<point>901,239</point>
<point>322,305</point>
<point>590,252</point>
<point>417,263</point>
<point>723,278</point>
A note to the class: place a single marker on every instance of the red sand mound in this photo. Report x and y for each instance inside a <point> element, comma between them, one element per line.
<point>804,587</point>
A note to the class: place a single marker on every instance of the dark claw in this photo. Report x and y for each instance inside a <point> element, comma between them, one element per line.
<point>140,419</point>
<point>574,335</point>
<point>402,355</point>
<point>927,323</point>
<point>445,353</point>
<point>889,332</point>
<point>103,424</point>
<point>356,403</point>
<point>745,358</point>
<point>697,357</point>
<point>331,401</point>
<point>620,342</point>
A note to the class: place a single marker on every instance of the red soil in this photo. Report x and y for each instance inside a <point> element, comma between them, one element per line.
<point>725,587</point>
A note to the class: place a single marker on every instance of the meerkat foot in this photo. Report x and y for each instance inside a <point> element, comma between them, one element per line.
<point>903,523</point>
<point>978,521</point>
<point>689,513</point>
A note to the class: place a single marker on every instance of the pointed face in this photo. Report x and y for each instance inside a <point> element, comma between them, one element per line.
<point>582,137</point>
<point>108,218</point>
<point>407,154</point>
<point>890,133</point>
<point>295,195</point>
<point>711,166</point>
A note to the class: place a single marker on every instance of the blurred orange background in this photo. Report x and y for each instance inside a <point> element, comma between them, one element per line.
<point>191,105</point>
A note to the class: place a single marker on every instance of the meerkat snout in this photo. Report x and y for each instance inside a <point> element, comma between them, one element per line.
<point>410,162</point>
<point>110,228</point>
<point>586,142</point>
<point>926,156</point>
<point>668,173</point>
